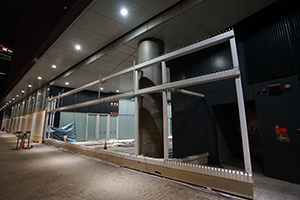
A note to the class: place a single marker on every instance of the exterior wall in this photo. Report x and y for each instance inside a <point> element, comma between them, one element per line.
<point>268,55</point>
<point>33,122</point>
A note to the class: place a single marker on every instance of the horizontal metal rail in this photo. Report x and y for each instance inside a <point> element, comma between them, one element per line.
<point>168,56</point>
<point>233,73</point>
<point>189,93</point>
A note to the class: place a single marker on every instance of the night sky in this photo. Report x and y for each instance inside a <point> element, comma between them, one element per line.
<point>9,17</point>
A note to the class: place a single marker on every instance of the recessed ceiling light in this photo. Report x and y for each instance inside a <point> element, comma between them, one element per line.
<point>13,99</point>
<point>124,12</point>
<point>29,86</point>
<point>9,101</point>
<point>48,88</point>
<point>67,83</point>
<point>39,93</point>
<point>23,91</point>
<point>77,47</point>
<point>54,66</point>
<point>17,95</point>
<point>39,78</point>
<point>117,91</point>
<point>101,88</point>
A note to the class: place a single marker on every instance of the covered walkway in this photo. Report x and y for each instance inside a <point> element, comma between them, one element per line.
<point>46,172</point>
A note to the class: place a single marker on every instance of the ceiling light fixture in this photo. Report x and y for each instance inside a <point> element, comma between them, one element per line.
<point>29,86</point>
<point>39,78</point>
<point>124,12</point>
<point>13,99</point>
<point>77,47</point>
<point>54,66</point>
<point>23,91</point>
<point>117,91</point>
<point>67,83</point>
<point>17,95</point>
<point>101,88</point>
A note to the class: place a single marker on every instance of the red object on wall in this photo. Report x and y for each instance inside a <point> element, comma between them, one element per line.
<point>278,130</point>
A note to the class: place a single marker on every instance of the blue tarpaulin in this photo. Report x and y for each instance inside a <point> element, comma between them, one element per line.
<point>69,131</point>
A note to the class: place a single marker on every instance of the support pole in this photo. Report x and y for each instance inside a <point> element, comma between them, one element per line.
<point>99,92</point>
<point>241,106</point>
<point>47,120</point>
<point>165,111</point>
<point>136,110</point>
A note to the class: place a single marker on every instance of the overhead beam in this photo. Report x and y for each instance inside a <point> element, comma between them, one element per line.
<point>189,93</point>
<point>233,73</point>
<point>226,36</point>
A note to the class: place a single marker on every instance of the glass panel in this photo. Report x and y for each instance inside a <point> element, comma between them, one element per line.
<point>123,106</point>
<point>66,118</point>
<point>102,128</point>
<point>130,120</point>
<point>123,130</point>
<point>113,127</point>
<point>80,123</point>
<point>131,104</point>
<point>91,127</point>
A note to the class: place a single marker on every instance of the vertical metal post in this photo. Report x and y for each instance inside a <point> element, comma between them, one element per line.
<point>50,118</point>
<point>97,127</point>
<point>58,100</point>
<point>117,128</point>
<point>46,121</point>
<point>165,111</point>
<point>86,127</point>
<point>108,127</point>
<point>53,116</point>
<point>99,86</point>
<point>241,106</point>
<point>136,113</point>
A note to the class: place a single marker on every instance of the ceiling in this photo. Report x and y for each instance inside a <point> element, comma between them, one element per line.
<point>113,39</point>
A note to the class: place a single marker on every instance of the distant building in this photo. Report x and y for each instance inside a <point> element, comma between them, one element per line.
<point>5,59</point>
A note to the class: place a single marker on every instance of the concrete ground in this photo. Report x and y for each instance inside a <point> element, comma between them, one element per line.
<point>46,172</point>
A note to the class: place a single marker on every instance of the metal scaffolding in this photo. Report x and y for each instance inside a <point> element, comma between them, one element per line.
<point>172,86</point>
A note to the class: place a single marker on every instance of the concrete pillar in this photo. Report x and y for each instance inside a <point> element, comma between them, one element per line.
<point>150,105</point>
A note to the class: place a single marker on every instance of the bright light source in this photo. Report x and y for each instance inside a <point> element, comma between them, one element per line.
<point>101,88</point>
<point>117,91</point>
<point>39,78</point>
<point>17,95</point>
<point>9,101</point>
<point>124,12</point>
<point>54,66</point>
<point>23,91</point>
<point>48,88</point>
<point>67,83</point>
<point>39,93</point>
<point>13,99</point>
<point>29,86</point>
<point>77,47</point>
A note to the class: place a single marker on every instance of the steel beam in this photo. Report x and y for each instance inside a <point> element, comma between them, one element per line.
<point>241,107</point>
<point>168,56</point>
<point>165,111</point>
<point>233,73</point>
<point>189,93</point>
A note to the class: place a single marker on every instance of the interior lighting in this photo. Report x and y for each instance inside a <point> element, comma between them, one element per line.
<point>23,91</point>
<point>77,47</point>
<point>29,86</point>
<point>54,66</point>
<point>124,12</point>
<point>39,78</point>
<point>101,88</point>
<point>67,83</point>
<point>117,91</point>
<point>13,99</point>
<point>17,95</point>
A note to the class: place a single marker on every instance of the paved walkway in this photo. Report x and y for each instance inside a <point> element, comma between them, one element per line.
<point>46,172</point>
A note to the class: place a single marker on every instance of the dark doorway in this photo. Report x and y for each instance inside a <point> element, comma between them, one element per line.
<point>229,135</point>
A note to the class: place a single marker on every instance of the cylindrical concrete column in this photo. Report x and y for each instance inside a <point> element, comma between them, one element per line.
<point>150,105</point>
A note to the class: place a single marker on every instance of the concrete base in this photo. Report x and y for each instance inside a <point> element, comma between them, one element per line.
<point>236,184</point>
